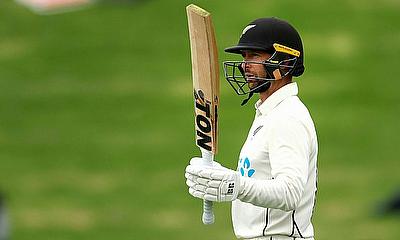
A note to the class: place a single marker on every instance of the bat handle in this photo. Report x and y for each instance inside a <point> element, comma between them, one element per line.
<point>208,214</point>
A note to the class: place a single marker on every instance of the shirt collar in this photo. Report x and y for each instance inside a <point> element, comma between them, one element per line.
<point>277,97</point>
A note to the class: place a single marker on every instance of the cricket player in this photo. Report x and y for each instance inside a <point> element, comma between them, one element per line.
<point>274,187</point>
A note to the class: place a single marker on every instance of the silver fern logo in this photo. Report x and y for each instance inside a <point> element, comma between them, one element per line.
<point>247,29</point>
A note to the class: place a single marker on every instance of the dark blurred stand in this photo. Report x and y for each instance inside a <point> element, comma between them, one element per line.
<point>390,206</point>
<point>4,223</point>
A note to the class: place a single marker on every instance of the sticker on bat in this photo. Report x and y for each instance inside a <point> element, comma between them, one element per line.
<point>203,121</point>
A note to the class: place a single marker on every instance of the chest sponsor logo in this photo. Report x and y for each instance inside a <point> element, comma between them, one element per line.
<point>245,167</point>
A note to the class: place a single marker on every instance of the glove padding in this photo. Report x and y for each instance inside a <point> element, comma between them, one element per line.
<point>213,183</point>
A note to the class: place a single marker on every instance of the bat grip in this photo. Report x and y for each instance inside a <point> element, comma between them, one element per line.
<point>208,214</point>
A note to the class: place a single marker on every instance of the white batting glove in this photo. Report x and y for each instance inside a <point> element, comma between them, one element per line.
<point>213,183</point>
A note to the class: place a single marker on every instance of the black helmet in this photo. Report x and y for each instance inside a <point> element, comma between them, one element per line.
<point>263,33</point>
<point>274,36</point>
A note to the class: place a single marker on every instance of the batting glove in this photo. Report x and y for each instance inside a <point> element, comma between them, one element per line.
<point>213,183</point>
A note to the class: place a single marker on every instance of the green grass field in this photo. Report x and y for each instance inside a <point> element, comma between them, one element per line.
<point>96,117</point>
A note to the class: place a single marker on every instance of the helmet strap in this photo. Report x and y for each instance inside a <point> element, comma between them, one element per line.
<point>247,99</point>
<point>259,90</point>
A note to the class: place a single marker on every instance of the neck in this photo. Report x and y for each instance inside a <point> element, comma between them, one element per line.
<point>275,85</point>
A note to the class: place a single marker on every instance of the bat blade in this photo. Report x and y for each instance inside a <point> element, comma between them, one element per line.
<point>205,75</point>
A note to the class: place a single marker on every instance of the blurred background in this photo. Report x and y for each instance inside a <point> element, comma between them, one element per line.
<point>96,117</point>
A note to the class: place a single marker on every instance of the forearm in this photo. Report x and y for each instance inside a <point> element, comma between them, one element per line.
<point>281,193</point>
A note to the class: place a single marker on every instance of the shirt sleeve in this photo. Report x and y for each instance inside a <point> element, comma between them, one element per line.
<point>288,145</point>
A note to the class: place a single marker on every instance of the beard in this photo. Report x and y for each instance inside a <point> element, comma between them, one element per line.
<point>257,85</point>
<point>252,84</point>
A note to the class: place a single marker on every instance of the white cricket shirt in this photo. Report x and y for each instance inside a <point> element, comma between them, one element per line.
<point>279,164</point>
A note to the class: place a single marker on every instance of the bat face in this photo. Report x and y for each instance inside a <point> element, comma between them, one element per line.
<point>205,74</point>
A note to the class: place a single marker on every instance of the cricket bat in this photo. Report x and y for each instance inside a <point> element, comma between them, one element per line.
<point>205,75</point>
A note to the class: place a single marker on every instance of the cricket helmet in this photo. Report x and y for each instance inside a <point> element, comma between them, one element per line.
<point>274,36</point>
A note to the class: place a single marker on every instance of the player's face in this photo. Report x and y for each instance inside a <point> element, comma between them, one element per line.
<point>253,70</point>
